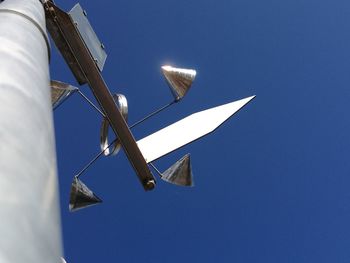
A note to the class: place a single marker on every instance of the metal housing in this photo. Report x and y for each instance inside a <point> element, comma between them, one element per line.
<point>94,45</point>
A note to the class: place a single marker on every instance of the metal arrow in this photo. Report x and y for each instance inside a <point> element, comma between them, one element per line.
<point>187,130</point>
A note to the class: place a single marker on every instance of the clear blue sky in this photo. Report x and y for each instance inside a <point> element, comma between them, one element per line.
<point>272,184</point>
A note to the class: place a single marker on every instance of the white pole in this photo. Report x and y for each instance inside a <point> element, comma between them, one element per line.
<point>29,209</point>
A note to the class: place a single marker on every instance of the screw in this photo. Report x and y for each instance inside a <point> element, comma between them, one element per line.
<point>149,185</point>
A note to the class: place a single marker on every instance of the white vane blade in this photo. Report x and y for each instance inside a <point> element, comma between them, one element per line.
<point>187,130</point>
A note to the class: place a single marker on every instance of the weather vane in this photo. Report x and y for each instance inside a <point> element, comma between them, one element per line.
<point>86,56</point>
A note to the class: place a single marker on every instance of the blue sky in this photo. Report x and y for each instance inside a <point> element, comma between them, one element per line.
<point>271,185</point>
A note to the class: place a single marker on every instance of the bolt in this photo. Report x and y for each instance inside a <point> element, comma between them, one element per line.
<point>149,185</point>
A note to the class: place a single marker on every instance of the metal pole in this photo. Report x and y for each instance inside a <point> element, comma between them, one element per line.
<point>29,209</point>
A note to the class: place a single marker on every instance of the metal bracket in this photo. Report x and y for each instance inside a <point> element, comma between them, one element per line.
<point>78,57</point>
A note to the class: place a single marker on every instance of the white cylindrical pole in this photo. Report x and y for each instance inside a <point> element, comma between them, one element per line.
<point>29,209</point>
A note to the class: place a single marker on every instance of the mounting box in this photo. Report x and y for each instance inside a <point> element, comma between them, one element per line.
<point>94,45</point>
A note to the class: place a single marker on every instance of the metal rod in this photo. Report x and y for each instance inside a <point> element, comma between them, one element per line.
<point>93,160</point>
<point>155,168</point>
<point>91,103</point>
<point>29,216</point>
<point>152,114</point>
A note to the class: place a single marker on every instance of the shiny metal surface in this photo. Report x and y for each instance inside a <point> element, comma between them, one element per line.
<point>73,49</point>
<point>29,216</point>
<point>179,80</point>
<point>24,11</point>
<point>180,173</point>
<point>187,130</point>
<point>65,49</point>
<point>81,196</point>
<point>122,105</point>
<point>88,35</point>
<point>60,91</point>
